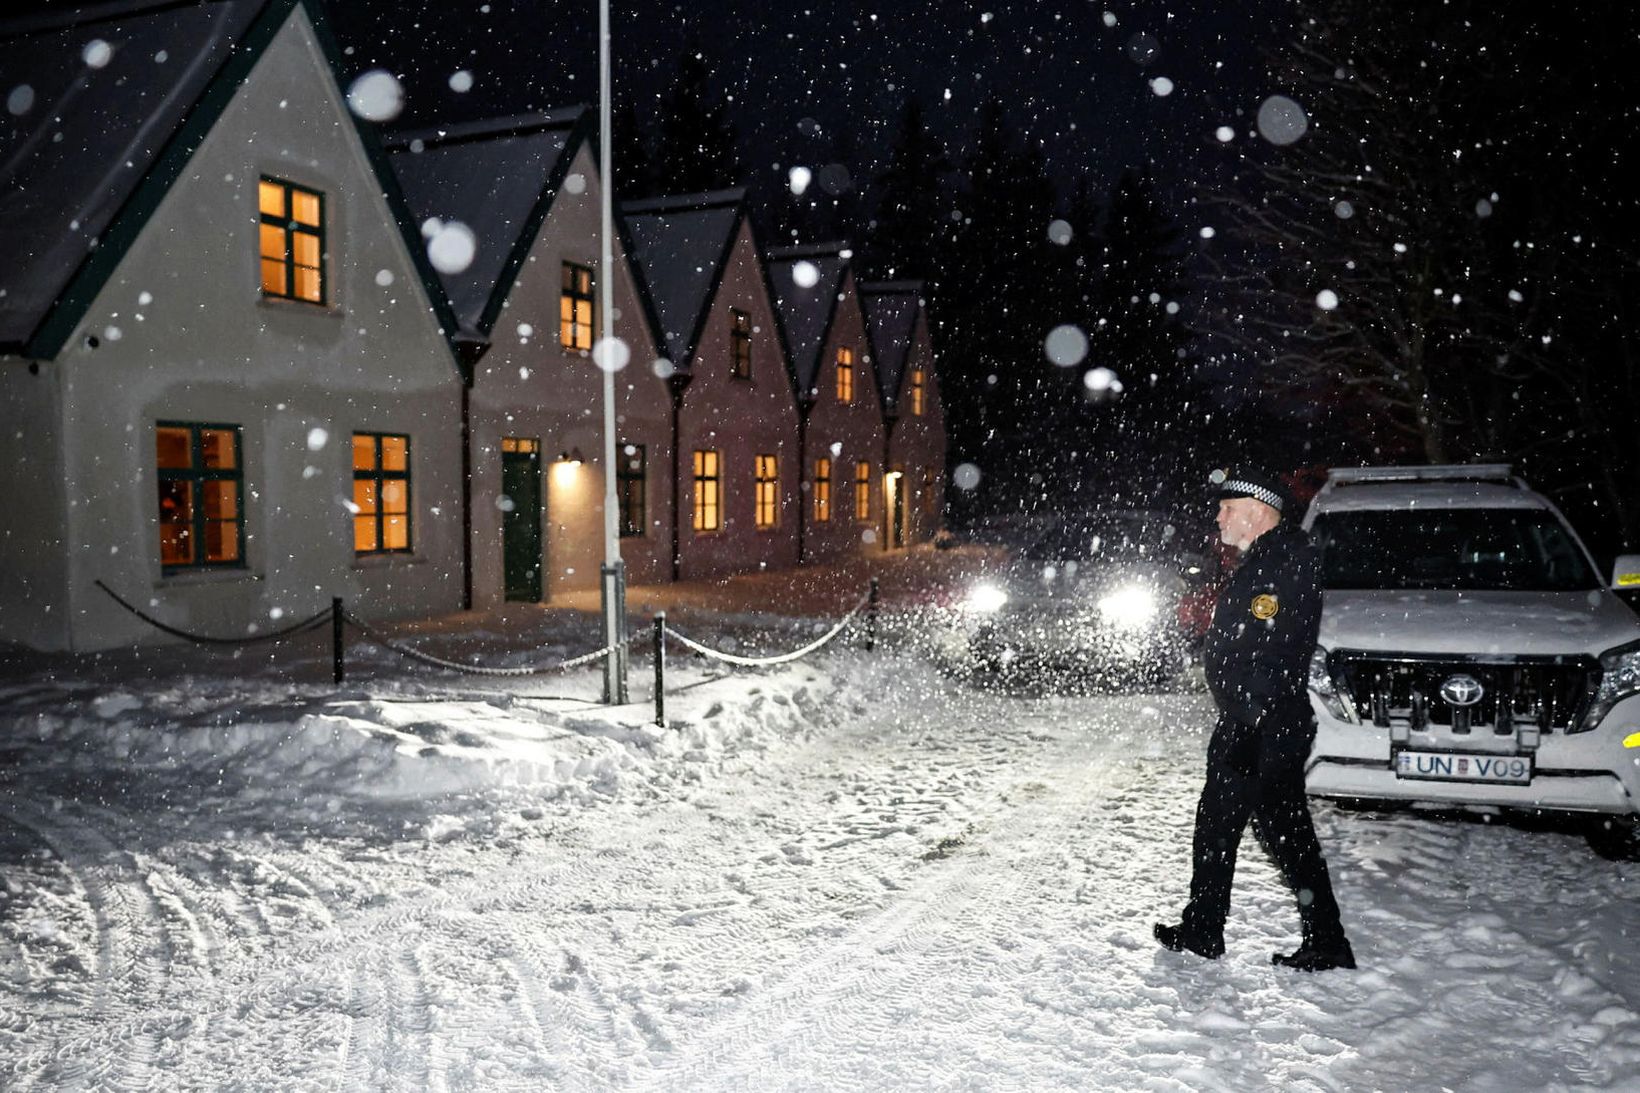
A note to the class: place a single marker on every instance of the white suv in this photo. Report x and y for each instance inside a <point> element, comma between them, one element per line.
<point>1470,652</point>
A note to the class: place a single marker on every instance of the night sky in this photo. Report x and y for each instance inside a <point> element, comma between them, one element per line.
<point>828,79</point>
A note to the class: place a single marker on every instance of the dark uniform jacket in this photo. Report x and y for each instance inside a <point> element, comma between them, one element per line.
<point>1264,630</point>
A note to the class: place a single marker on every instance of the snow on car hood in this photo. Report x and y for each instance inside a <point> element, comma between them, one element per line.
<point>1485,623</point>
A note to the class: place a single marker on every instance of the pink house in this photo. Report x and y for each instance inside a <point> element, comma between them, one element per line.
<point>912,409</point>
<point>735,415</point>
<point>842,442</point>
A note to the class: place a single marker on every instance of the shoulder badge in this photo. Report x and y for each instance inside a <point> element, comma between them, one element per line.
<point>1265,606</point>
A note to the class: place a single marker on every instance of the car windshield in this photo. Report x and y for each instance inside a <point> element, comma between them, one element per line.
<point>1520,550</point>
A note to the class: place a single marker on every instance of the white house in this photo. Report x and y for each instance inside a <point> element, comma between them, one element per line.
<point>226,390</point>
<point>913,411</point>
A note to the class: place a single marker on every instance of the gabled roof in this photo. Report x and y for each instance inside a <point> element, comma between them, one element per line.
<point>89,161</point>
<point>498,177</point>
<point>682,245</point>
<point>891,323</point>
<point>806,310</point>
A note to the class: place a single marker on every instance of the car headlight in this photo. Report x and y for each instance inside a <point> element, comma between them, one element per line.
<point>1619,678</point>
<point>1129,608</point>
<point>985,599</point>
<point>1322,685</point>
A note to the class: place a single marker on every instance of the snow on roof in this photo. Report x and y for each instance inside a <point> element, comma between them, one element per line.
<point>891,323</point>
<point>806,310</point>
<point>1355,497</point>
<point>96,122</point>
<point>680,244</point>
<point>498,177</point>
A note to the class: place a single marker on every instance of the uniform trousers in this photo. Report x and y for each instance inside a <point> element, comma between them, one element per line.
<point>1258,774</point>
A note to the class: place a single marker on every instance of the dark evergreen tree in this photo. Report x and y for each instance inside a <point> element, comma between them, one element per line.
<point>911,231</point>
<point>697,143</point>
<point>634,166</point>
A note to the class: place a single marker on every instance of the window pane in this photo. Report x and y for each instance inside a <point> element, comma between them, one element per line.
<point>221,500</point>
<point>222,541</point>
<point>396,533</point>
<point>176,519</point>
<point>306,248</point>
<point>273,277</point>
<point>364,534</point>
<point>364,452</point>
<point>395,496</point>
<point>272,240</point>
<point>395,453</point>
<point>173,448</point>
<point>270,198</point>
<point>218,446</point>
<point>307,284</point>
<point>304,207</point>
<point>364,495</point>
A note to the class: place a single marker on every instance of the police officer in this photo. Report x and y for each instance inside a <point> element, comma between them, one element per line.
<point>1257,657</point>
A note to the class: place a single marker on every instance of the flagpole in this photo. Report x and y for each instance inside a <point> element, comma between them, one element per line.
<point>613,574</point>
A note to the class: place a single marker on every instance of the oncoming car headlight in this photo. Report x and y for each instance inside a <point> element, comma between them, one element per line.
<point>1619,678</point>
<point>1321,684</point>
<point>1130,607</point>
<point>985,598</point>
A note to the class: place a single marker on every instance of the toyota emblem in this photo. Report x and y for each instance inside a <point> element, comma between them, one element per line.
<point>1462,690</point>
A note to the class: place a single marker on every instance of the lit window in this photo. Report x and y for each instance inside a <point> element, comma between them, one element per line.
<point>767,491</point>
<point>520,444</point>
<point>292,241</point>
<point>740,344</point>
<point>708,492</point>
<point>630,467</point>
<point>381,493</point>
<point>862,490</point>
<point>917,391</point>
<point>822,489</point>
<point>201,492</point>
<point>576,308</point>
<point>845,374</point>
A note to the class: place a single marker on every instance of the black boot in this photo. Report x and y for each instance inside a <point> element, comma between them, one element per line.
<point>1313,956</point>
<point>1180,940</point>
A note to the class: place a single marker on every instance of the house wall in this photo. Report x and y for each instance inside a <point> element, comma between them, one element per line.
<point>918,442</point>
<point>740,419</point>
<point>183,334</point>
<point>527,385</point>
<point>847,432</point>
<point>33,516</point>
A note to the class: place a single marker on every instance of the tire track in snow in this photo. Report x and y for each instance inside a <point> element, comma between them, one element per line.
<point>878,964</point>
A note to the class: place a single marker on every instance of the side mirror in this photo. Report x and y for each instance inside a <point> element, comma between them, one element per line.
<point>1626,573</point>
<point>1193,567</point>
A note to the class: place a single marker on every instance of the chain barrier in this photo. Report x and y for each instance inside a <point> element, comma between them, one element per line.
<point>784,658</point>
<point>311,623</point>
<point>473,669</point>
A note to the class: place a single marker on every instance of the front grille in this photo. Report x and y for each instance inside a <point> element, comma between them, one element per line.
<point>1550,692</point>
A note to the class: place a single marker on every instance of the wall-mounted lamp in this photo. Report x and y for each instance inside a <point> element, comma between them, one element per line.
<point>571,458</point>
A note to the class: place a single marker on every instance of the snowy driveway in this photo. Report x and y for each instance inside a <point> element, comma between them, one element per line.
<point>853,873</point>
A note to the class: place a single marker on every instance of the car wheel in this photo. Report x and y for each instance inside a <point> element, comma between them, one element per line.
<point>1615,838</point>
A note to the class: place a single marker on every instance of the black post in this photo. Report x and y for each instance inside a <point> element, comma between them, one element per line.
<point>660,669</point>
<point>336,637</point>
<point>871,617</point>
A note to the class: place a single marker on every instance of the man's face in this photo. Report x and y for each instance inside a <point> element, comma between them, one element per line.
<point>1243,519</point>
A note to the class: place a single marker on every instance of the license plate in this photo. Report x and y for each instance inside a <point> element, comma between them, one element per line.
<point>1446,766</point>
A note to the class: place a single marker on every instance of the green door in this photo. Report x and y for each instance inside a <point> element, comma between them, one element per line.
<point>896,531</point>
<point>521,520</point>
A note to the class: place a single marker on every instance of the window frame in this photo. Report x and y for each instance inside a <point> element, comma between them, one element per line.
<point>289,226</point>
<point>705,483</point>
<point>568,292</point>
<point>862,490</point>
<point>845,373</point>
<point>740,344</point>
<point>637,481</point>
<point>198,474</point>
<point>379,475</point>
<point>766,492</point>
<point>822,490</point>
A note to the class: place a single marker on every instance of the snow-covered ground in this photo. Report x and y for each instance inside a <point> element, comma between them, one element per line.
<point>852,872</point>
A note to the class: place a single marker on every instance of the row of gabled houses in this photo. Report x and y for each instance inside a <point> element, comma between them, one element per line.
<point>253,356</point>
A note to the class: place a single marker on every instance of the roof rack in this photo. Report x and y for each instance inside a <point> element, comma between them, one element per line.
<point>1447,472</point>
